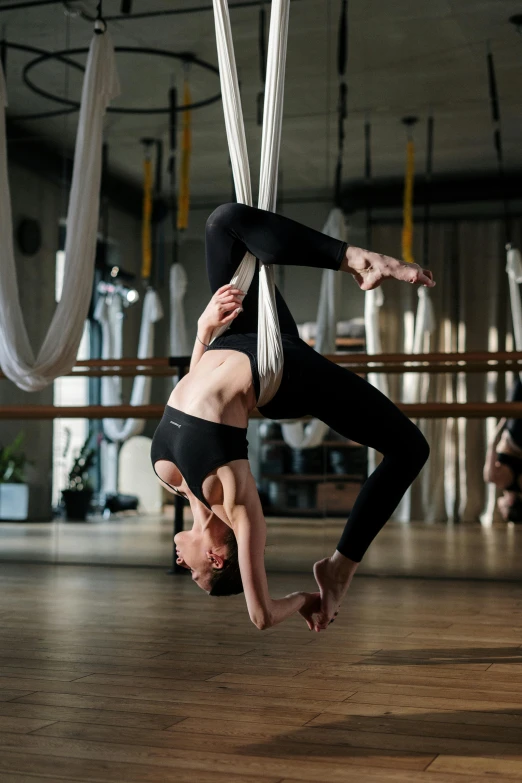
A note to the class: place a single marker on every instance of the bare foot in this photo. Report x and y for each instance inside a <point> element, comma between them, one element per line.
<point>333,576</point>
<point>370,269</point>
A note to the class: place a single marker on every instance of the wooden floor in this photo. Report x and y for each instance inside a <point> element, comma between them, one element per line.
<point>132,676</point>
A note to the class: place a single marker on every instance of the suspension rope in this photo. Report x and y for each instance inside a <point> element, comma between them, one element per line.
<point>146,229</point>
<point>407,211</point>
<point>368,180</point>
<point>342,100</point>
<point>427,198</point>
<point>497,140</point>
<point>186,149</point>
<point>262,62</point>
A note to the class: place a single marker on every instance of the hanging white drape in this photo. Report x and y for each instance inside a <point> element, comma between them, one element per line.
<point>270,349</point>
<point>297,434</point>
<point>514,272</point>
<point>178,330</point>
<point>416,384</point>
<point>60,346</point>
<point>109,314</point>
<point>373,301</point>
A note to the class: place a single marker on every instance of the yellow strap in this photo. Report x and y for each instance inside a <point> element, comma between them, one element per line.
<point>146,232</point>
<point>407,212</point>
<point>186,149</point>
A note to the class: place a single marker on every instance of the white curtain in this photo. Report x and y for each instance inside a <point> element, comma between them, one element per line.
<point>514,272</point>
<point>297,434</point>
<point>109,313</point>
<point>60,346</point>
<point>178,330</point>
<point>416,384</point>
<point>270,349</point>
<point>373,302</point>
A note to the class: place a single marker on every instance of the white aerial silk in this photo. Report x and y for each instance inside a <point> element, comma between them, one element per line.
<point>60,346</point>
<point>416,385</point>
<point>270,349</point>
<point>109,313</point>
<point>373,301</point>
<point>297,434</point>
<point>514,272</point>
<point>178,330</point>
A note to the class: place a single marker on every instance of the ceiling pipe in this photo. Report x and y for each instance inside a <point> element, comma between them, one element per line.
<point>126,16</point>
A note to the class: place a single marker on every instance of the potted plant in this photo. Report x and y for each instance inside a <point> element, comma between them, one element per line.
<point>14,492</point>
<point>78,495</point>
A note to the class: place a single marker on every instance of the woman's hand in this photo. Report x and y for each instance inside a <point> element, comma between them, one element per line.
<point>311,606</point>
<point>223,308</point>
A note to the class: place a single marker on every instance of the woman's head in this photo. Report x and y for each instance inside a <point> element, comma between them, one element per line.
<point>211,555</point>
<point>510,507</point>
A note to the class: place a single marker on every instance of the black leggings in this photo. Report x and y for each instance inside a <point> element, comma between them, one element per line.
<point>311,384</point>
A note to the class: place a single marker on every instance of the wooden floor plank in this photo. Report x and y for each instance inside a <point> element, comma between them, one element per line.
<point>194,756</point>
<point>134,676</point>
<point>254,713</point>
<point>483,765</point>
<point>58,768</point>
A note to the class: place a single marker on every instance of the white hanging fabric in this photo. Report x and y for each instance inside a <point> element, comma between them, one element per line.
<point>109,314</point>
<point>514,272</point>
<point>298,434</point>
<point>178,330</point>
<point>373,301</point>
<point>60,346</point>
<point>270,349</point>
<point>416,385</point>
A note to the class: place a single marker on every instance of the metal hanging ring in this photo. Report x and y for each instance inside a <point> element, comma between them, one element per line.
<point>63,56</point>
<point>39,115</point>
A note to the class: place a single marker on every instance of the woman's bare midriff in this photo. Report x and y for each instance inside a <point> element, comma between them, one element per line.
<point>219,388</point>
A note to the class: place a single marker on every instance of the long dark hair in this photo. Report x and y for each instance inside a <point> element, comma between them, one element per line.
<point>227,580</point>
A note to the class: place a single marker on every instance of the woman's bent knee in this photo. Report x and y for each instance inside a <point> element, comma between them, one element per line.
<point>223,216</point>
<point>416,449</point>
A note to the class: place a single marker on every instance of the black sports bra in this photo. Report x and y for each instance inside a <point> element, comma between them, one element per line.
<point>196,447</point>
<point>515,463</point>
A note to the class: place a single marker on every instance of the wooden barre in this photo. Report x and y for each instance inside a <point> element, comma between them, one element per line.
<point>427,410</point>
<point>397,369</point>
<point>417,365</point>
<point>353,357</point>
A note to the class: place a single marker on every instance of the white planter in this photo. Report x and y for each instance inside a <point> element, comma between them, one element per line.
<point>14,501</point>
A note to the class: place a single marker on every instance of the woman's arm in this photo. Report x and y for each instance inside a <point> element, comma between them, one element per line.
<point>243,509</point>
<point>204,335</point>
<point>222,309</point>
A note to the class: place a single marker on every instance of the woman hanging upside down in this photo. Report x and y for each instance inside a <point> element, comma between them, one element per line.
<point>503,466</point>
<point>200,448</point>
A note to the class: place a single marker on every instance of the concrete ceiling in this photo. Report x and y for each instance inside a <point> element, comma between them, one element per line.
<point>405,57</point>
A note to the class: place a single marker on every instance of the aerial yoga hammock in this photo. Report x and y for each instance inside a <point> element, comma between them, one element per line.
<point>421,327</point>
<point>200,447</point>
<point>179,345</point>
<point>298,434</point>
<point>57,355</point>
<point>109,314</point>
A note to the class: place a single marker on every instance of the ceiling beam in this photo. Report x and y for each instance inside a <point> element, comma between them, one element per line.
<point>457,188</point>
